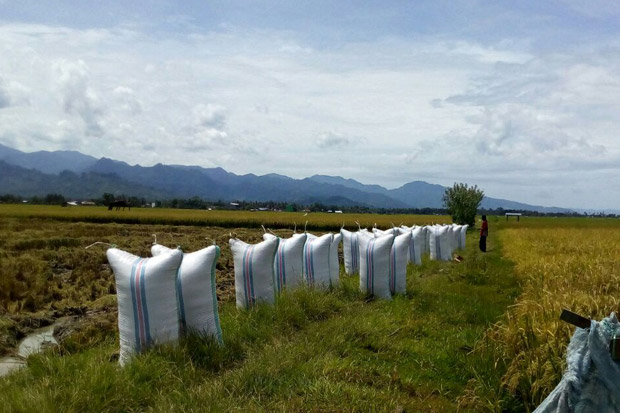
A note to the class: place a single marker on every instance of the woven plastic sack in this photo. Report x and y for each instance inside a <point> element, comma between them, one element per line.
<point>375,265</point>
<point>417,245</point>
<point>463,236</point>
<point>440,244</point>
<point>288,262</point>
<point>334,262</point>
<point>195,288</point>
<point>147,302</point>
<point>398,263</point>
<point>316,261</point>
<point>254,277</point>
<point>351,252</point>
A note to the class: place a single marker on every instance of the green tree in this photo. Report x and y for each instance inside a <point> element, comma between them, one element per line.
<point>462,202</point>
<point>107,198</point>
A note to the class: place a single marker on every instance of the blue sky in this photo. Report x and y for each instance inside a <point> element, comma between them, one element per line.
<point>521,98</point>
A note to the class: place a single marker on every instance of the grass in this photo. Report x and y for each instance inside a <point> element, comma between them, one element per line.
<point>312,351</point>
<point>558,267</point>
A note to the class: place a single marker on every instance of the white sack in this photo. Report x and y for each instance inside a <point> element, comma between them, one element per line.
<point>375,265</point>
<point>288,262</point>
<point>316,262</point>
<point>196,296</point>
<point>334,263</point>
<point>147,302</point>
<point>398,263</point>
<point>254,277</point>
<point>463,236</point>
<point>350,249</point>
<point>418,240</point>
<point>440,244</point>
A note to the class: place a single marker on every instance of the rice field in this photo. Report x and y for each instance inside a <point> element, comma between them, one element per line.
<point>481,335</point>
<point>217,218</point>
<point>575,267</point>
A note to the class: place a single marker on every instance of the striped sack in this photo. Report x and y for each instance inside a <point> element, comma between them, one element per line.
<point>398,263</point>
<point>334,262</point>
<point>196,297</point>
<point>351,252</point>
<point>147,302</point>
<point>288,263</point>
<point>375,265</point>
<point>254,277</point>
<point>316,260</point>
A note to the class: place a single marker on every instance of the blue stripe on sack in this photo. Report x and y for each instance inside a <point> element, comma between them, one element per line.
<point>144,306</point>
<point>180,301</point>
<point>134,302</point>
<point>393,272</point>
<point>277,270</point>
<point>252,276</point>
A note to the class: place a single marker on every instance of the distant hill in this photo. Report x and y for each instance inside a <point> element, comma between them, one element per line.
<point>81,176</point>
<point>30,182</point>
<point>48,162</point>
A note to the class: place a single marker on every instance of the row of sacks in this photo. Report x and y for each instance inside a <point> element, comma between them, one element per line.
<point>439,241</point>
<point>264,269</point>
<point>172,293</point>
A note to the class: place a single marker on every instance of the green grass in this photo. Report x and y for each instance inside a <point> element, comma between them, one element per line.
<point>312,351</point>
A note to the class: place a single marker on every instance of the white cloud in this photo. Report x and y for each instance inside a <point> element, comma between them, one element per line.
<point>76,96</point>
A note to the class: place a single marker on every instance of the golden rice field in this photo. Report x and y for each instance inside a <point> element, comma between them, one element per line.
<point>558,267</point>
<point>558,263</point>
<point>217,218</point>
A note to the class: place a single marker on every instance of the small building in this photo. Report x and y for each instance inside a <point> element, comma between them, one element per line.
<point>513,214</point>
<point>87,203</point>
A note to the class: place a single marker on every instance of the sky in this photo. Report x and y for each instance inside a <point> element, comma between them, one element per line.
<point>521,98</point>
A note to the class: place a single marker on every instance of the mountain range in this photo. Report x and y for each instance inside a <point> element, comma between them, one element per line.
<point>80,176</point>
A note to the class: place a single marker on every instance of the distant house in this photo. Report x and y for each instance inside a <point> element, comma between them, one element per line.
<point>338,212</point>
<point>234,205</point>
<point>87,203</point>
<point>263,209</point>
<point>72,203</point>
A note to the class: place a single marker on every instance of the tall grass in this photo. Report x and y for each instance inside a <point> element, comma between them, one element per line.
<point>574,268</point>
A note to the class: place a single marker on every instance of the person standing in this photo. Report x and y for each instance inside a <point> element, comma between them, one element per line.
<point>484,233</point>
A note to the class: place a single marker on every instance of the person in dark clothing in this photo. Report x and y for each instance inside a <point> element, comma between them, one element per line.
<point>484,233</point>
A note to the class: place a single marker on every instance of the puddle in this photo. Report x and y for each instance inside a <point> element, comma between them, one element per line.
<point>34,342</point>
